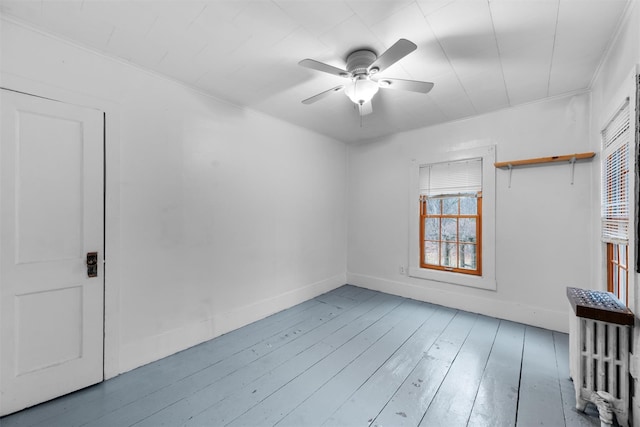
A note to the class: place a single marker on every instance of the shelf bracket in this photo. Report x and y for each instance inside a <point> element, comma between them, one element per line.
<point>510,166</point>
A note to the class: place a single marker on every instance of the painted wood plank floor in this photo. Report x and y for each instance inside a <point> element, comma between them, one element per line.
<point>351,357</point>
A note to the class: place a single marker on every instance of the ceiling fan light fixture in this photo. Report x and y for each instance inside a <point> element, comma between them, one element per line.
<point>361,90</point>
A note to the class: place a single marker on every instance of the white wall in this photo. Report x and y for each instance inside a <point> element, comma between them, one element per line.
<point>613,83</point>
<point>543,227</point>
<point>216,216</point>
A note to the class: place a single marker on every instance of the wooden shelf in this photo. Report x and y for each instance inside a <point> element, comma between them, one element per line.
<point>525,162</point>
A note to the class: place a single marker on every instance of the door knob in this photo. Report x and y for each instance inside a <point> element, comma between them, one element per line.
<point>92,264</point>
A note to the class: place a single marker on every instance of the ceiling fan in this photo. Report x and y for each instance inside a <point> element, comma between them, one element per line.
<point>363,68</point>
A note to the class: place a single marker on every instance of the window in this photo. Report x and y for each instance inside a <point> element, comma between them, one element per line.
<point>618,271</point>
<point>451,216</point>
<point>615,205</point>
<point>456,181</point>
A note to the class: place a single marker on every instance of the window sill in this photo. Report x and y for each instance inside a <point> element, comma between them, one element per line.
<point>480,282</point>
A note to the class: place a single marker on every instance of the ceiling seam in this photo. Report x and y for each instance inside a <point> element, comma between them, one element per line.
<point>495,38</point>
<point>197,16</point>
<point>113,30</point>
<point>285,13</point>
<point>426,22</point>
<point>569,94</point>
<point>475,110</point>
<point>321,34</point>
<point>91,50</point>
<point>436,9</point>
<point>623,21</point>
<point>153,24</point>
<point>553,49</point>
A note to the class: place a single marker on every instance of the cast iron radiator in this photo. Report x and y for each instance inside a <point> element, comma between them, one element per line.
<point>599,353</point>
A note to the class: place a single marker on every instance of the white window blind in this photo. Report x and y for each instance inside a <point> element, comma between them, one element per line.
<point>451,178</point>
<point>616,143</point>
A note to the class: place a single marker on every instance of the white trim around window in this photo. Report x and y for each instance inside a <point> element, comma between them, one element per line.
<point>488,278</point>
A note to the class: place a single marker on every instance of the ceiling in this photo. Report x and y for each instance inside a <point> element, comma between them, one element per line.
<point>482,55</point>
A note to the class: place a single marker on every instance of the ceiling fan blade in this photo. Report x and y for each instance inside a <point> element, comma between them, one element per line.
<point>321,66</point>
<point>410,85</point>
<point>321,95</point>
<point>366,108</point>
<point>399,50</point>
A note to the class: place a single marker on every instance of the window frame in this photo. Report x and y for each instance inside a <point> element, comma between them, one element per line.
<point>616,199</point>
<point>487,279</point>
<point>424,214</point>
<point>618,271</point>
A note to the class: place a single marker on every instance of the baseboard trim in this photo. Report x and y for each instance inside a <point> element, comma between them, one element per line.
<point>516,312</point>
<point>156,347</point>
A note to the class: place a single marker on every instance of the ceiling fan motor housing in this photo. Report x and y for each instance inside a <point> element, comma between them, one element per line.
<point>359,61</point>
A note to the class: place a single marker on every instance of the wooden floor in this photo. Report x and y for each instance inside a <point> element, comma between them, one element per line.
<point>351,357</point>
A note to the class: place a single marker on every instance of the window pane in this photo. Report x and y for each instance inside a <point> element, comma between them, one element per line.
<point>449,254</point>
<point>467,230</point>
<point>468,206</point>
<point>431,253</point>
<point>449,229</point>
<point>450,206</point>
<point>468,256</point>
<point>433,206</point>
<point>432,228</point>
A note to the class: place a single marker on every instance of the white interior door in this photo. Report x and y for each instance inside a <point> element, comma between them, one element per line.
<point>51,216</point>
